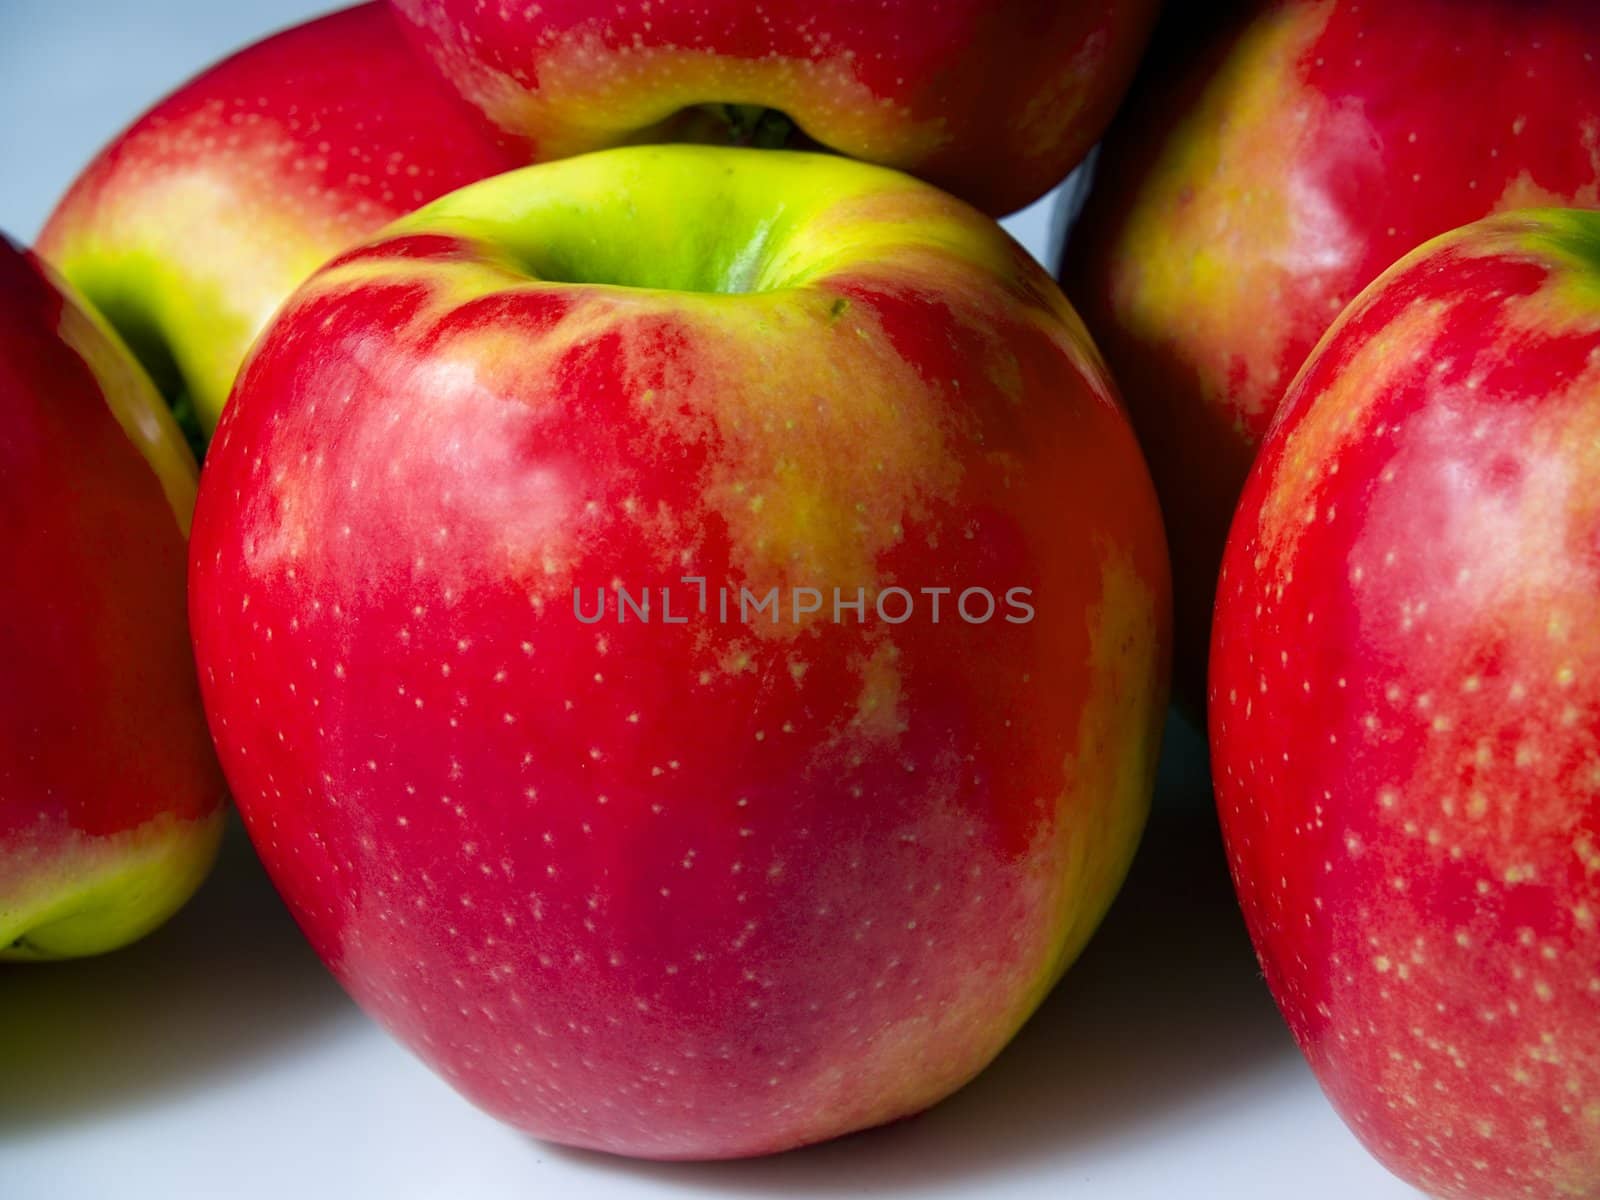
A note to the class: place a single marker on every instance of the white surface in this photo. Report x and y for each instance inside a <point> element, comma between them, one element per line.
<point>217,1058</point>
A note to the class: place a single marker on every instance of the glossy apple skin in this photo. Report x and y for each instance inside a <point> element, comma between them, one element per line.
<point>110,795</point>
<point>1405,710</point>
<point>1264,172</point>
<point>196,222</point>
<point>994,100</point>
<point>684,890</point>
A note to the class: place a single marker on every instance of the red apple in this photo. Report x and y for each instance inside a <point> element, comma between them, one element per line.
<point>1405,710</point>
<point>195,223</point>
<point>110,795</point>
<point>696,882</point>
<point>995,100</point>
<point>1256,184</point>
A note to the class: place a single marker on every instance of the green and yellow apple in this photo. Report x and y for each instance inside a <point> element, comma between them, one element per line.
<point>687,632</point>
<point>110,794</point>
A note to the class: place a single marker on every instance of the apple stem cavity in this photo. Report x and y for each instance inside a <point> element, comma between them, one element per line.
<point>746,248</point>
<point>724,123</point>
<point>760,127</point>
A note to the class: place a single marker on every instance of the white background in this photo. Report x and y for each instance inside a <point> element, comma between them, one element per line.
<point>217,1058</point>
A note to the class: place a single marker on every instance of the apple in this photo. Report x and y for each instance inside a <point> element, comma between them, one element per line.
<point>516,591</point>
<point>195,223</point>
<point>1265,171</point>
<point>1405,710</point>
<point>110,794</point>
<point>995,100</point>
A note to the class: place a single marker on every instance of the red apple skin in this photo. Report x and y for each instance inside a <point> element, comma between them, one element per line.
<point>196,222</point>
<point>1264,172</point>
<point>107,775</point>
<point>994,100</point>
<point>684,890</point>
<point>1405,710</point>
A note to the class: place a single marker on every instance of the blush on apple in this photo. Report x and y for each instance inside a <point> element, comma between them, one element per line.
<point>692,882</point>
<point>1270,167</point>
<point>110,795</point>
<point>1405,710</point>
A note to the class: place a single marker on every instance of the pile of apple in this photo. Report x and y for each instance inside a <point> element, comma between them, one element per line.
<point>678,599</point>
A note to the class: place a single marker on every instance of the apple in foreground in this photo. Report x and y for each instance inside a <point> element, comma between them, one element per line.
<point>198,220</point>
<point>1405,710</point>
<point>706,880</point>
<point>994,100</point>
<point>1254,185</point>
<point>110,794</point>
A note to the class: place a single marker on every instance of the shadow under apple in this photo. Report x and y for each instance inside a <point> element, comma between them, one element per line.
<point>1164,1015</point>
<point>227,983</point>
